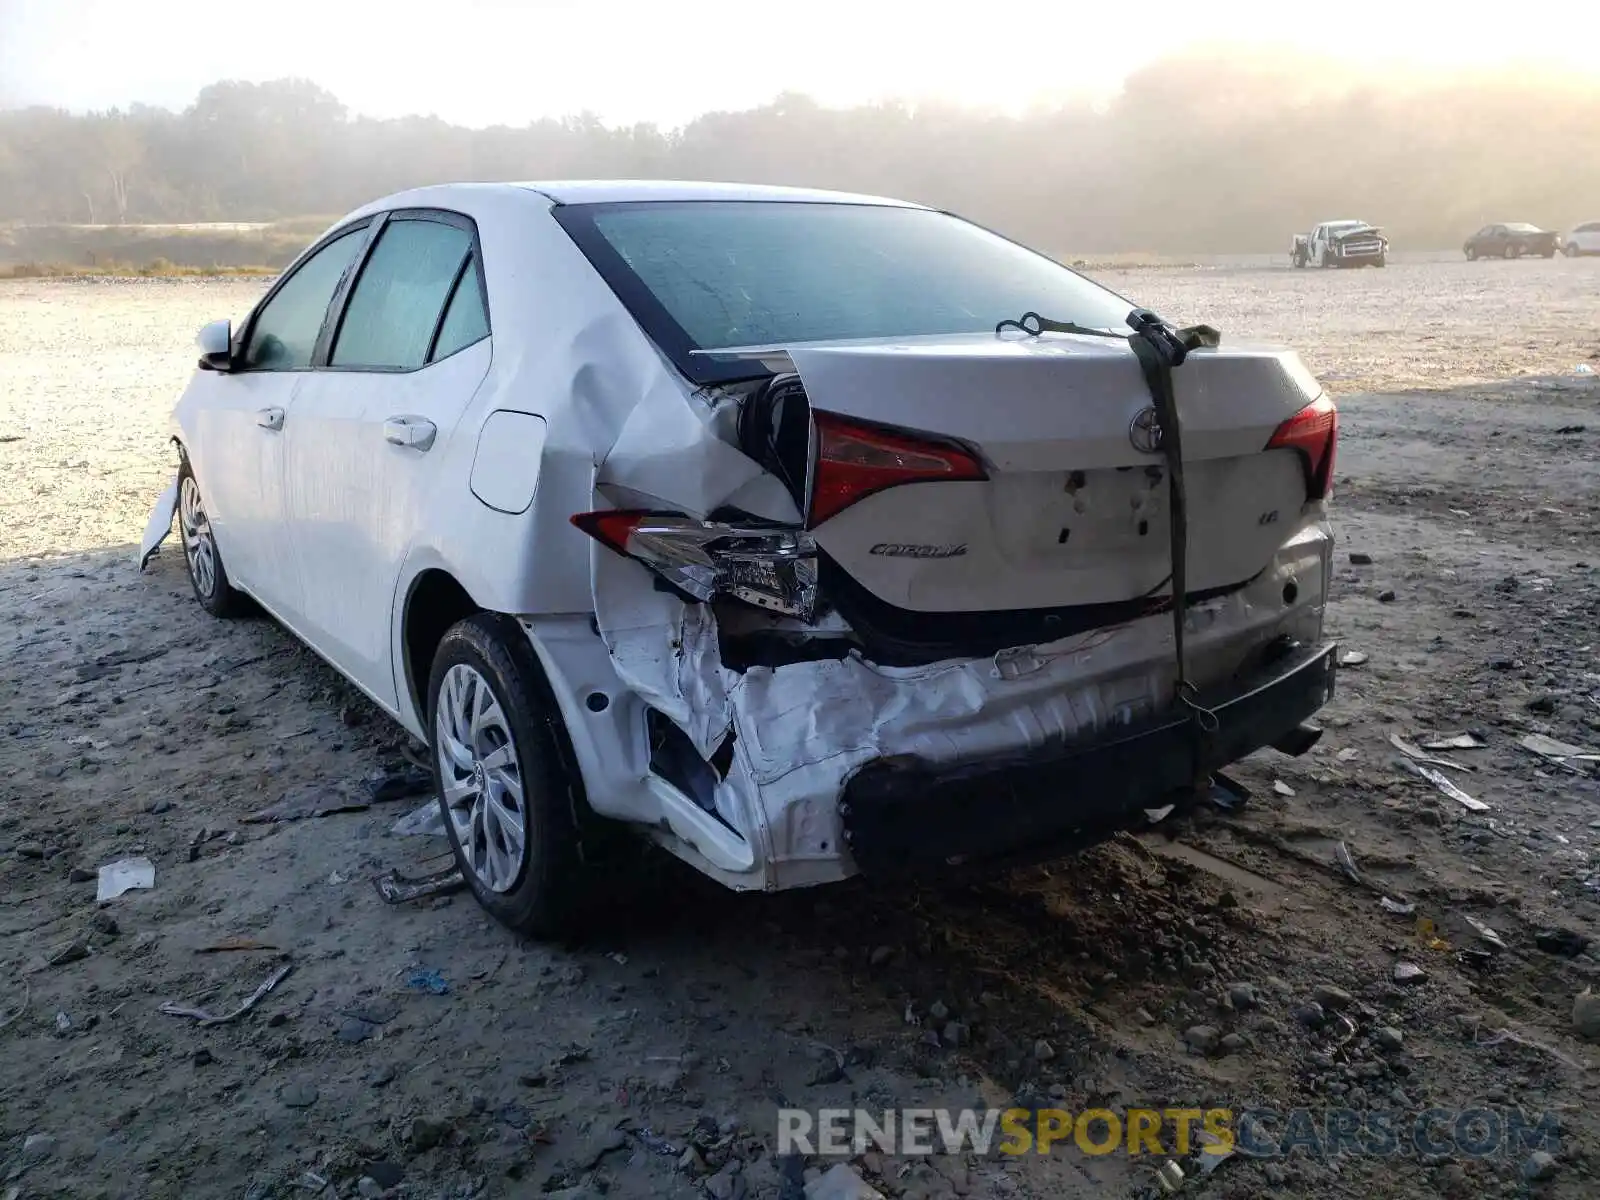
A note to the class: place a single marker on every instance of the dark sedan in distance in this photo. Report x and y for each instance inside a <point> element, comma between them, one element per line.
<point>1512,240</point>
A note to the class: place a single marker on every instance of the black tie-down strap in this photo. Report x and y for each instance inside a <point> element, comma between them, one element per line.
<point>1161,348</point>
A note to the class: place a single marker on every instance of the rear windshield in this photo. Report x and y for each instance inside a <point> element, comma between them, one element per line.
<point>1522,227</point>
<point>709,275</point>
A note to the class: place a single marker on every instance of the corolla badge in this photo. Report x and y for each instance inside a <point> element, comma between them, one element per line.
<point>1144,431</point>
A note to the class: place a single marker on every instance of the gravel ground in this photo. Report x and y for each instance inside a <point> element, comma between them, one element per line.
<point>134,725</point>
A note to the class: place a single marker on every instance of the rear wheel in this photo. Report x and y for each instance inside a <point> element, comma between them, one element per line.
<point>1511,252</point>
<point>508,799</point>
<point>1550,253</point>
<point>207,576</point>
<point>1572,250</point>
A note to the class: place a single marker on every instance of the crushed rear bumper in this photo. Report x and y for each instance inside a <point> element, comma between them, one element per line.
<point>900,813</point>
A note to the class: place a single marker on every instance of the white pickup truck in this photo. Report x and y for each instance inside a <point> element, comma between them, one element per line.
<point>1341,244</point>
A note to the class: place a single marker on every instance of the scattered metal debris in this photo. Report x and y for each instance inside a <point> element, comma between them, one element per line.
<point>396,888</point>
<point>1400,908</point>
<point>1448,788</point>
<point>314,801</point>
<point>233,943</point>
<point>1170,1177</point>
<point>173,1009</point>
<point>1354,658</point>
<point>1562,753</point>
<point>124,875</point>
<point>1342,853</point>
<point>1413,751</point>
<point>1455,741</point>
<point>655,1143</point>
<point>1282,788</point>
<point>1486,933</point>
<point>425,821</point>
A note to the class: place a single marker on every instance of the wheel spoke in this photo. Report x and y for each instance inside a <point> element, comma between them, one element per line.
<point>481,778</point>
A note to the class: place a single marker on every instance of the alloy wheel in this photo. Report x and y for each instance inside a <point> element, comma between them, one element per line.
<point>198,544</point>
<point>481,778</point>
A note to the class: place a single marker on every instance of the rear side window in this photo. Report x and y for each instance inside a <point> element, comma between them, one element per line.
<point>465,320</point>
<point>397,302</point>
<point>284,335</point>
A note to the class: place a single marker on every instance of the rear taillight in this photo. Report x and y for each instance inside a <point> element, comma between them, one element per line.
<point>771,567</point>
<point>856,460</point>
<point>1314,431</point>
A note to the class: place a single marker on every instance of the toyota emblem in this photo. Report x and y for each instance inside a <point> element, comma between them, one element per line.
<point>1144,431</point>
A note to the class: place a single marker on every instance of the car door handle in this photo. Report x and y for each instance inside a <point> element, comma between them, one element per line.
<point>269,418</point>
<point>415,433</point>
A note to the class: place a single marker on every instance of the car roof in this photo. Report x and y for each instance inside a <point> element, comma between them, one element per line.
<point>620,191</point>
<point>616,191</point>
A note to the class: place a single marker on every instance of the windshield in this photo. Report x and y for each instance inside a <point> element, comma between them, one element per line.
<point>1522,227</point>
<point>709,275</point>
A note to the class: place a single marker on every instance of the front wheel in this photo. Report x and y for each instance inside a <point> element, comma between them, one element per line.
<point>509,801</point>
<point>1572,250</point>
<point>1550,253</point>
<point>1381,261</point>
<point>1511,251</point>
<point>207,576</point>
<point>1472,253</point>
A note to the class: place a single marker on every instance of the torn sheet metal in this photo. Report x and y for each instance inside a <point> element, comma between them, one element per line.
<point>159,525</point>
<point>802,729</point>
<point>680,450</point>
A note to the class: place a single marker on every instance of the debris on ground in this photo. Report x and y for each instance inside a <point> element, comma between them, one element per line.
<point>1449,789</point>
<point>841,1182</point>
<point>27,995</point>
<point>1455,741</point>
<point>425,821</point>
<point>1354,658</point>
<point>1568,943</point>
<point>233,943</point>
<point>1416,753</point>
<point>396,888</point>
<point>1486,933</point>
<point>428,980</point>
<point>1347,862</point>
<point>301,803</point>
<point>409,780</point>
<point>173,1009</point>
<point>1562,753</point>
<point>1170,1177</point>
<point>72,952</point>
<point>1400,908</point>
<point>1407,974</point>
<point>125,875</point>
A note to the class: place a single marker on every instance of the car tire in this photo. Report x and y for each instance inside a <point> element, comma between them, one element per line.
<point>1572,250</point>
<point>1381,261</point>
<point>1512,252</point>
<point>1472,254</point>
<point>1299,259</point>
<point>201,557</point>
<point>506,792</point>
<point>1550,253</point>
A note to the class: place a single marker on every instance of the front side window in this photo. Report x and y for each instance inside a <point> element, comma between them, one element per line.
<point>400,295</point>
<point>710,275</point>
<point>284,335</point>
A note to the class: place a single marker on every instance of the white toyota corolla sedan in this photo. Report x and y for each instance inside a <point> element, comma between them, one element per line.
<point>803,533</point>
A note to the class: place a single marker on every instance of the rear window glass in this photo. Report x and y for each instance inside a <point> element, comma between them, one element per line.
<point>717,274</point>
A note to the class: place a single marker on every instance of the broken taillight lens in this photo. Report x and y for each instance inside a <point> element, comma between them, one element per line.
<point>771,567</point>
<point>1314,431</point>
<point>856,460</point>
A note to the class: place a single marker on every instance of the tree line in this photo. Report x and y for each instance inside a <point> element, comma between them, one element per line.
<point>1194,155</point>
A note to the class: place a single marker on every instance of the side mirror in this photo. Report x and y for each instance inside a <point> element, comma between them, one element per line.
<point>216,346</point>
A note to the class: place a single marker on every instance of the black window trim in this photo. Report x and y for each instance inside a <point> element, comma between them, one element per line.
<point>661,328</point>
<point>321,358</point>
<point>247,331</point>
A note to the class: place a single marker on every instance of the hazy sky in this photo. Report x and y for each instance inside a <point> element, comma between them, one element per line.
<point>480,62</point>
